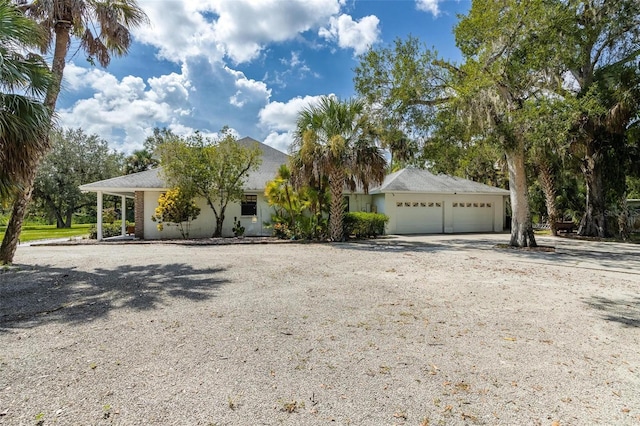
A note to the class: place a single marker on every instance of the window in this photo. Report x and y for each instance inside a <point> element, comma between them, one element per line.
<point>249,205</point>
<point>399,204</point>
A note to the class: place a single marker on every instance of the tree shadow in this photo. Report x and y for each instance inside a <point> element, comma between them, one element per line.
<point>391,246</point>
<point>34,295</point>
<point>407,244</point>
<point>623,311</point>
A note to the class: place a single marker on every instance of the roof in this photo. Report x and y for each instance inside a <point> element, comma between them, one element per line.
<point>422,181</point>
<point>272,159</point>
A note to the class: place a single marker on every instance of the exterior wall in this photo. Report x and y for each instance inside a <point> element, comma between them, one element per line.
<point>389,206</point>
<point>378,203</point>
<point>204,225</point>
<point>138,202</point>
<point>359,202</point>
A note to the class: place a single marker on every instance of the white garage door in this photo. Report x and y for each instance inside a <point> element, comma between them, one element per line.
<point>419,217</point>
<point>472,216</point>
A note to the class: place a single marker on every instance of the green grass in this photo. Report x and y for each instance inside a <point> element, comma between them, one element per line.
<point>45,232</point>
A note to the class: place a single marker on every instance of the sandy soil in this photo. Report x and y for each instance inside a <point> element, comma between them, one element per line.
<point>412,331</point>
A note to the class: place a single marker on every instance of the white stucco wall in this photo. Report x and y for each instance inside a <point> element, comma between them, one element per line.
<point>359,202</point>
<point>204,225</point>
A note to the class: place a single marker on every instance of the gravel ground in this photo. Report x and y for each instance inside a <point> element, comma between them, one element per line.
<point>407,331</point>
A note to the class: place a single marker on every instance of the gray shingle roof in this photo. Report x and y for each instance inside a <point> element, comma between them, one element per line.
<point>152,179</point>
<point>422,181</point>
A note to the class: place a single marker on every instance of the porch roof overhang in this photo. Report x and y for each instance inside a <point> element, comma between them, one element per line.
<point>128,185</point>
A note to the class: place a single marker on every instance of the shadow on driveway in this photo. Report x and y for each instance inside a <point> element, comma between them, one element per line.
<point>623,311</point>
<point>33,295</point>
<point>570,253</point>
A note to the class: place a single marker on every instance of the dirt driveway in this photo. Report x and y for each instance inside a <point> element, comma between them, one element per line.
<point>408,331</point>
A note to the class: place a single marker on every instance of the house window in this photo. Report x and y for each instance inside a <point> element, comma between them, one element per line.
<point>249,205</point>
<point>399,204</point>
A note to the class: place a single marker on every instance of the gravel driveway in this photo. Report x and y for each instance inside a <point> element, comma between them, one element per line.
<point>423,330</point>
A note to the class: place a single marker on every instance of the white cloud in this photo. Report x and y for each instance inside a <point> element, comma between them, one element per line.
<point>238,29</point>
<point>179,30</point>
<point>279,118</point>
<point>431,6</point>
<point>245,26</point>
<point>279,141</point>
<point>248,90</point>
<point>125,110</point>
<point>350,34</point>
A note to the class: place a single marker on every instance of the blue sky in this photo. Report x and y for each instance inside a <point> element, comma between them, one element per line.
<point>247,64</point>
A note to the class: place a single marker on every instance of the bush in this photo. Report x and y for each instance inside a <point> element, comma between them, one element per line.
<point>108,230</point>
<point>364,225</point>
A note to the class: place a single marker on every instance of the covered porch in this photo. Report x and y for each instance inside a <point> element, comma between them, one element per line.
<point>126,187</point>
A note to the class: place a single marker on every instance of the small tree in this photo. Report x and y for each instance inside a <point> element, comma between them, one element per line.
<point>176,208</point>
<point>214,170</point>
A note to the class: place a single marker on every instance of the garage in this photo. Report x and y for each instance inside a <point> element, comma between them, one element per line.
<point>420,202</point>
<point>419,217</point>
<point>472,216</point>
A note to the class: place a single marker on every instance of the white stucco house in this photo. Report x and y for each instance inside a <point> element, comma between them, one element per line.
<point>415,200</point>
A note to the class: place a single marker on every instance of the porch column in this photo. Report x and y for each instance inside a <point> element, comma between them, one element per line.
<point>138,208</point>
<point>123,214</point>
<point>99,224</point>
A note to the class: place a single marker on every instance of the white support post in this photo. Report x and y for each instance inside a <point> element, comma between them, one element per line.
<point>99,224</point>
<point>123,213</point>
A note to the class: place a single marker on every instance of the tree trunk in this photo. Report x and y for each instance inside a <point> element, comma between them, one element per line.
<point>547,182</point>
<point>521,228</point>
<point>219,223</point>
<point>69,218</point>
<point>336,184</point>
<point>624,227</point>
<point>59,220</point>
<point>593,223</point>
<point>12,234</point>
<point>14,227</point>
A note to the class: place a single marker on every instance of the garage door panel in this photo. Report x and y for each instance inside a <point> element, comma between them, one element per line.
<point>419,217</point>
<point>472,216</point>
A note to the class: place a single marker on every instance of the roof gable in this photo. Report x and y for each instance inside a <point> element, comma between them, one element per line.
<point>272,159</point>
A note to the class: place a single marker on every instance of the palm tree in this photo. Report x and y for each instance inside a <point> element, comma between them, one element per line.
<point>330,142</point>
<point>23,80</point>
<point>24,119</point>
<point>139,161</point>
<point>102,27</point>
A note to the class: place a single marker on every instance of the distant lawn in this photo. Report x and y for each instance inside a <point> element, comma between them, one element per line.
<point>45,232</point>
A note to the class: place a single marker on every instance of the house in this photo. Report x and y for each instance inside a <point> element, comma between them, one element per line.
<point>145,188</point>
<point>415,200</point>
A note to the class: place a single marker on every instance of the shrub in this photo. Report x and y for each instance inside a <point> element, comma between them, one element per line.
<point>108,230</point>
<point>364,225</point>
<point>176,208</point>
